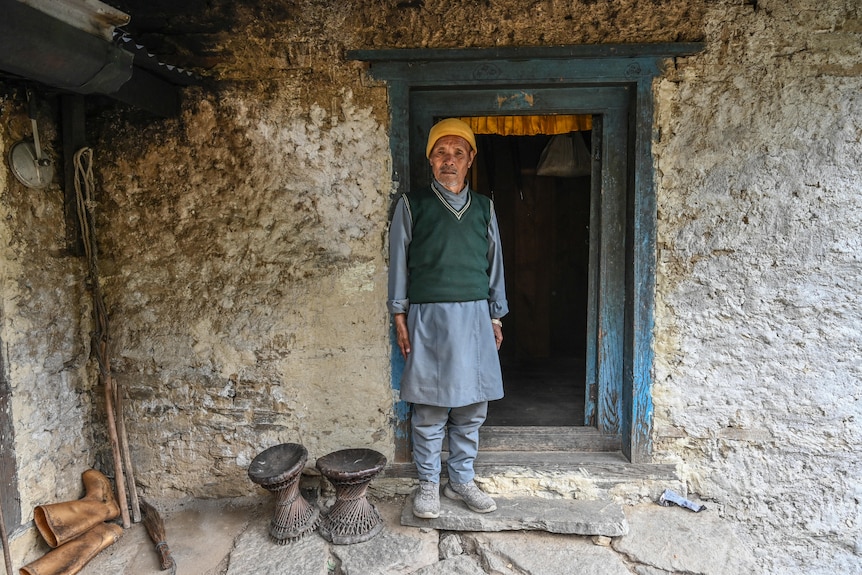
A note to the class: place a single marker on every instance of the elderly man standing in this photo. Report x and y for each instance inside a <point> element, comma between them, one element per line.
<point>447,295</point>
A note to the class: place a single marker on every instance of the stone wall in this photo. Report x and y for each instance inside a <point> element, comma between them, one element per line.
<point>44,330</point>
<point>243,258</point>
<point>758,320</point>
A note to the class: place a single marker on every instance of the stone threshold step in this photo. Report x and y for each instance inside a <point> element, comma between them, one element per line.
<point>600,467</point>
<point>542,438</point>
<point>538,438</point>
<point>566,516</point>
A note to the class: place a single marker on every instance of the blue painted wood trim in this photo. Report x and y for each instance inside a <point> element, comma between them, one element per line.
<point>592,355</point>
<point>603,65</point>
<point>399,99</point>
<point>401,409</point>
<point>525,72</point>
<point>399,106</point>
<point>576,51</point>
<point>612,277</point>
<point>639,349</point>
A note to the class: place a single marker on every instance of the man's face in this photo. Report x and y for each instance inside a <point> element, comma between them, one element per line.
<point>450,159</point>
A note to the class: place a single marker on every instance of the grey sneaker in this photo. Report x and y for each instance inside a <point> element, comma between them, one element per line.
<point>470,494</point>
<point>426,500</point>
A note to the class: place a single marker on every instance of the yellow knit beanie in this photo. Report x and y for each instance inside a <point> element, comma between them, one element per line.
<point>449,127</point>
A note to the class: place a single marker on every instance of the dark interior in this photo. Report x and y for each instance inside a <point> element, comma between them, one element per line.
<point>544,223</point>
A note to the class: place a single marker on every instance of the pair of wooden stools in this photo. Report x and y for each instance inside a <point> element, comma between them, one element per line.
<point>351,519</point>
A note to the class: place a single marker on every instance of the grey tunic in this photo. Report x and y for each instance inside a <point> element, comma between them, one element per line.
<point>453,360</point>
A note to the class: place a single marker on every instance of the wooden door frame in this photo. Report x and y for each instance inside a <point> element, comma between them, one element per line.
<point>607,250</point>
<point>517,73</point>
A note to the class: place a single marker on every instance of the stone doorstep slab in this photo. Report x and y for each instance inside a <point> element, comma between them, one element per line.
<point>566,516</point>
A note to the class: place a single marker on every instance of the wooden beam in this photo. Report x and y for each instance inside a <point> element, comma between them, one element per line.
<point>74,138</point>
<point>599,51</point>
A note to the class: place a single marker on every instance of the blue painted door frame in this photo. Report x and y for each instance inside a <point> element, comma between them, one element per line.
<point>612,82</point>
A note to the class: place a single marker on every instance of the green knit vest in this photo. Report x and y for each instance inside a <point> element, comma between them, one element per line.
<point>448,255</point>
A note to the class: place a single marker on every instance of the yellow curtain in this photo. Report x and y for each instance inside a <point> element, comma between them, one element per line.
<point>529,125</point>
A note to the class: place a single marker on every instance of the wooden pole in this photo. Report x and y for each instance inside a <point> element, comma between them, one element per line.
<point>111,395</point>
<point>115,448</point>
<point>127,456</point>
<point>7,553</point>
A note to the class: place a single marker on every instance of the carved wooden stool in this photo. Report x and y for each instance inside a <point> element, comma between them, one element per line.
<point>352,518</point>
<point>277,469</point>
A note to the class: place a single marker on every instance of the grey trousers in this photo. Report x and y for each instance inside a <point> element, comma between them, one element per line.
<point>430,424</point>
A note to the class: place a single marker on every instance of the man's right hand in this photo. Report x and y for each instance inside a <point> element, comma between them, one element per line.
<point>401,333</point>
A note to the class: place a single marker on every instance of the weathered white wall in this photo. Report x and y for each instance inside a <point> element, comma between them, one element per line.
<point>44,331</point>
<point>759,322</point>
<point>244,260</point>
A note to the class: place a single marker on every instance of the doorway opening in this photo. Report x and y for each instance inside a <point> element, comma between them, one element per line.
<point>565,368</point>
<point>544,225</point>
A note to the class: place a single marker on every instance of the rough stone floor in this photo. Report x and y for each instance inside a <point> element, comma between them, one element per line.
<point>231,538</point>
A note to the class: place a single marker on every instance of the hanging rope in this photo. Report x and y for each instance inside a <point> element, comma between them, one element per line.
<point>84,185</point>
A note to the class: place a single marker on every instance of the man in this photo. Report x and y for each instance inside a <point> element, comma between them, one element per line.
<point>447,295</point>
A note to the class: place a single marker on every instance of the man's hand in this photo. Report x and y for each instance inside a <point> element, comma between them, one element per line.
<point>498,335</point>
<point>401,334</point>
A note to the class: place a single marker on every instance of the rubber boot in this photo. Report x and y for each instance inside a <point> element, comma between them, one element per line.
<point>62,522</point>
<point>71,557</point>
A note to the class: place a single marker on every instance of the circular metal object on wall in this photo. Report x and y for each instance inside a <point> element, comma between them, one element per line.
<point>30,171</point>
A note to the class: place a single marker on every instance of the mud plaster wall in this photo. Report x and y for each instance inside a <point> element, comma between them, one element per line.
<point>243,254</point>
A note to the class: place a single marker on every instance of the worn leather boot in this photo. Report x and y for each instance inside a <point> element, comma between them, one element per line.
<point>71,557</point>
<point>61,522</point>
